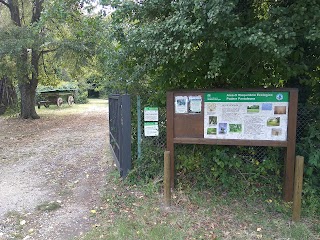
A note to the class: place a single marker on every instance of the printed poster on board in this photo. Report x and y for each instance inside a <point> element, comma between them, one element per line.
<point>246,115</point>
<point>181,104</point>
<point>195,104</point>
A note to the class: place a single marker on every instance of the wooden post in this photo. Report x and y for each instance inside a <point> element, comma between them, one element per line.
<point>170,133</point>
<point>166,179</point>
<point>297,192</point>
<point>289,160</point>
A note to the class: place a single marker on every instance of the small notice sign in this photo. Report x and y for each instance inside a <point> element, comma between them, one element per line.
<point>181,104</point>
<point>151,129</point>
<point>151,114</point>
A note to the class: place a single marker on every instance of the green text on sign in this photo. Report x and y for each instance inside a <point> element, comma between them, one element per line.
<point>247,97</point>
<point>151,108</point>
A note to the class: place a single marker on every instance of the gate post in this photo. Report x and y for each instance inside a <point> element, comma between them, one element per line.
<point>125,153</point>
<point>139,126</point>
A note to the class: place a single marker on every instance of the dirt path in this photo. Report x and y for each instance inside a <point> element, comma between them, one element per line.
<point>52,172</point>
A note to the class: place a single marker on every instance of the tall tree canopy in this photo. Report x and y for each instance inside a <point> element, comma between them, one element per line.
<point>205,44</point>
<point>34,28</point>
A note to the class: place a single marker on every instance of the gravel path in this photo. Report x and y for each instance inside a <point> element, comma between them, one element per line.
<point>53,172</point>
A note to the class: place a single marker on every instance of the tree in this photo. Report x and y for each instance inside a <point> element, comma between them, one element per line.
<point>228,44</point>
<point>37,28</point>
<point>27,81</point>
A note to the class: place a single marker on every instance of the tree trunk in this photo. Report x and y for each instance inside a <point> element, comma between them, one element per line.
<point>27,85</point>
<point>27,81</point>
<point>28,94</point>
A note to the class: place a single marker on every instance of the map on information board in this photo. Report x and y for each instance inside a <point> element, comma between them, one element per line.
<point>246,115</point>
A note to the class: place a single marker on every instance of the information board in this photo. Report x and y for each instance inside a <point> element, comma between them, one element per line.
<point>241,117</point>
<point>246,115</point>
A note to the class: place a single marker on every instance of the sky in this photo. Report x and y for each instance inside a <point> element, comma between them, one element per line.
<point>97,8</point>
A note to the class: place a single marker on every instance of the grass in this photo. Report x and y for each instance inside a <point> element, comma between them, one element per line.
<point>65,109</point>
<point>14,221</point>
<point>48,206</point>
<point>137,212</point>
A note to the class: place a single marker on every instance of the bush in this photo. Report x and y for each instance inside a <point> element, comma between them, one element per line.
<point>236,170</point>
<point>309,147</point>
<point>149,166</point>
<point>245,170</point>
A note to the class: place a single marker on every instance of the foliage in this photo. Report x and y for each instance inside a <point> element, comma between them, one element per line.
<point>194,44</point>
<point>229,44</point>
<point>149,166</point>
<point>60,86</point>
<point>237,170</point>
<point>82,93</point>
<point>48,206</point>
<point>308,147</point>
<point>45,41</point>
<point>8,96</point>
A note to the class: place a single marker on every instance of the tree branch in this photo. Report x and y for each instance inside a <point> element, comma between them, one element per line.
<point>48,51</point>
<point>36,12</point>
<point>41,53</point>
<point>4,3</point>
<point>22,15</point>
<point>45,69</point>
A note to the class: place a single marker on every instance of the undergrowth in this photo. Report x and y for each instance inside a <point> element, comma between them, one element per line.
<point>136,211</point>
<point>240,172</point>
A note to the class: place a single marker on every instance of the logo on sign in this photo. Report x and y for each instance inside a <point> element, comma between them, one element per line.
<point>279,97</point>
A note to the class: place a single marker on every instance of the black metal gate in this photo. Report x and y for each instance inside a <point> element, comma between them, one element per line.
<point>120,131</point>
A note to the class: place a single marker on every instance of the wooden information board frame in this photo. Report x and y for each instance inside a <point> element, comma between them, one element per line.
<point>186,128</point>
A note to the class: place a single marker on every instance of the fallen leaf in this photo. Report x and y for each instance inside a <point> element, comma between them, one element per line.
<point>22,222</point>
